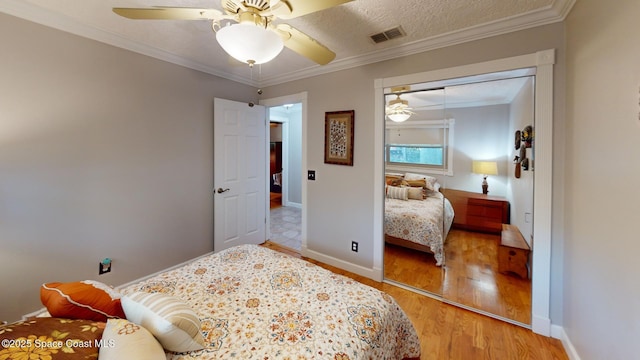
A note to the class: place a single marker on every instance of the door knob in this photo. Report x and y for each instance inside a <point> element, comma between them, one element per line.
<point>221,190</point>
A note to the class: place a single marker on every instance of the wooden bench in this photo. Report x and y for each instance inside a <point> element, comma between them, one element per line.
<point>513,252</point>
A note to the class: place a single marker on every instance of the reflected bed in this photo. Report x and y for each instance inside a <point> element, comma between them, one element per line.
<point>420,224</point>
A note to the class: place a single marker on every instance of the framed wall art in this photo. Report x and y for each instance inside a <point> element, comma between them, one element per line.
<point>338,137</point>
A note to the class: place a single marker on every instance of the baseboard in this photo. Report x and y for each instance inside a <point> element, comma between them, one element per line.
<point>146,277</point>
<point>371,273</point>
<point>43,312</point>
<point>293,204</point>
<point>558,332</point>
<point>541,325</point>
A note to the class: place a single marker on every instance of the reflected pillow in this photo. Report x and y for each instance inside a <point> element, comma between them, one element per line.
<point>397,192</point>
<point>416,193</point>
<point>393,180</point>
<point>430,181</point>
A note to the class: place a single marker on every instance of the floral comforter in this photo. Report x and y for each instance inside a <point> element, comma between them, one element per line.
<point>256,303</point>
<point>426,222</point>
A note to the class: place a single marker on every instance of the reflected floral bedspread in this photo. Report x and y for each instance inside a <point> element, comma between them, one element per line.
<point>256,303</point>
<point>426,222</point>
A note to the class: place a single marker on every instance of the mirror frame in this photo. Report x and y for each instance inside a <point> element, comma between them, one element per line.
<point>543,61</point>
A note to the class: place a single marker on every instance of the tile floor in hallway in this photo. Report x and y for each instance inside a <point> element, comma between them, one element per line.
<point>286,226</point>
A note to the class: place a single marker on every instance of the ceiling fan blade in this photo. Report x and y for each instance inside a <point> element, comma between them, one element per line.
<point>168,13</point>
<point>303,7</point>
<point>305,45</point>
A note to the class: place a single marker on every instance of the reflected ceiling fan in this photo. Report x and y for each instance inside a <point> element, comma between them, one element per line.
<point>248,33</point>
<point>398,110</point>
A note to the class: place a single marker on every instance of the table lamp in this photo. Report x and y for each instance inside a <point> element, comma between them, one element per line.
<point>485,168</point>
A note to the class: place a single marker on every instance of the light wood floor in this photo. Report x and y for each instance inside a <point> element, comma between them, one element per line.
<point>449,332</point>
<point>469,277</point>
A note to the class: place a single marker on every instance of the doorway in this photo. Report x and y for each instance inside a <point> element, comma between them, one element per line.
<point>285,175</point>
<point>275,164</point>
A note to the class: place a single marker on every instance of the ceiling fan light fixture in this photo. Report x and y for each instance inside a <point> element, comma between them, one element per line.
<point>249,43</point>
<point>399,116</point>
<point>398,110</point>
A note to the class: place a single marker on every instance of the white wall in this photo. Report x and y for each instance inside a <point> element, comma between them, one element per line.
<point>295,155</point>
<point>481,133</point>
<point>602,291</point>
<point>520,190</point>
<point>103,153</point>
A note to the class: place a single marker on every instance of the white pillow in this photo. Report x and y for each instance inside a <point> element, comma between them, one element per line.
<point>429,180</point>
<point>396,192</point>
<point>413,176</point>
<point>168,318</point>
<point>416,193</point>
<point>123,339</point>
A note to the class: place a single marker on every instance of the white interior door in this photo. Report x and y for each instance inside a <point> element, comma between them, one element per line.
<point>239,142</point>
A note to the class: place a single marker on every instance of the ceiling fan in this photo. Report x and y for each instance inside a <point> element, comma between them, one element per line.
<point>398,110</point>
<point>249,33</point>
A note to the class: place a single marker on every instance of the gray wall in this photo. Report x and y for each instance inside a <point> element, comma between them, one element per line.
<point>92,136</point>
<point>90,172</point>
<point>103,153</point>
<point>602,291</point>
<point>340,201</point>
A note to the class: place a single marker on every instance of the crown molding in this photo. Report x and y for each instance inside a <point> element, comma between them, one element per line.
<point>548,15</point>
<point>64,23</point>
<point>543,16</point>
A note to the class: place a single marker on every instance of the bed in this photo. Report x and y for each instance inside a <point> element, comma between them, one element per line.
<point>420,223</point>
<point>250,302</point>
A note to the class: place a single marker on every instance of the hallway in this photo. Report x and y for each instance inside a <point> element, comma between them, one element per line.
<point>286,226</point>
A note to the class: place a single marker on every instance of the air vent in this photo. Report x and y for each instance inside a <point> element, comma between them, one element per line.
<point>390,34</point>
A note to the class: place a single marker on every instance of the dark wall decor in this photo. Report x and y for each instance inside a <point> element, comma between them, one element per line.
<point>523,141</point>
<point>338,137</point>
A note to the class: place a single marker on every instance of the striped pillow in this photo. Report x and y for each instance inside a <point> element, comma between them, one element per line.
<point>168,318</point>
<point>123,339</point>
<point>396,192</point>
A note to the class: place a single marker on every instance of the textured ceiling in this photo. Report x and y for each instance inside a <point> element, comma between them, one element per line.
<point>345,29</point>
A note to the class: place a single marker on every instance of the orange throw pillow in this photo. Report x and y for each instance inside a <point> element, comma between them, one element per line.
<point>90,300</point>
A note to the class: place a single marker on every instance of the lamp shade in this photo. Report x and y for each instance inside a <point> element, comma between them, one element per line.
<point>249,43</point>
<point>485,167</point>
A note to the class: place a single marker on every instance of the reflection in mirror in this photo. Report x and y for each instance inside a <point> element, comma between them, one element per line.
<point>475,122</point>
<point>416,157</point>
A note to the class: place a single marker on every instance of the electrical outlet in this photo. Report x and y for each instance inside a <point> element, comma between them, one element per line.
<point>104,266</point>
<point>527,217</point>
<point>311,175</point>
<point>354,246</point>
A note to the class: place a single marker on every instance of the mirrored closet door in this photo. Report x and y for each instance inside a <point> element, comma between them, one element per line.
<point>416,151</point>
<point>485,183</point>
